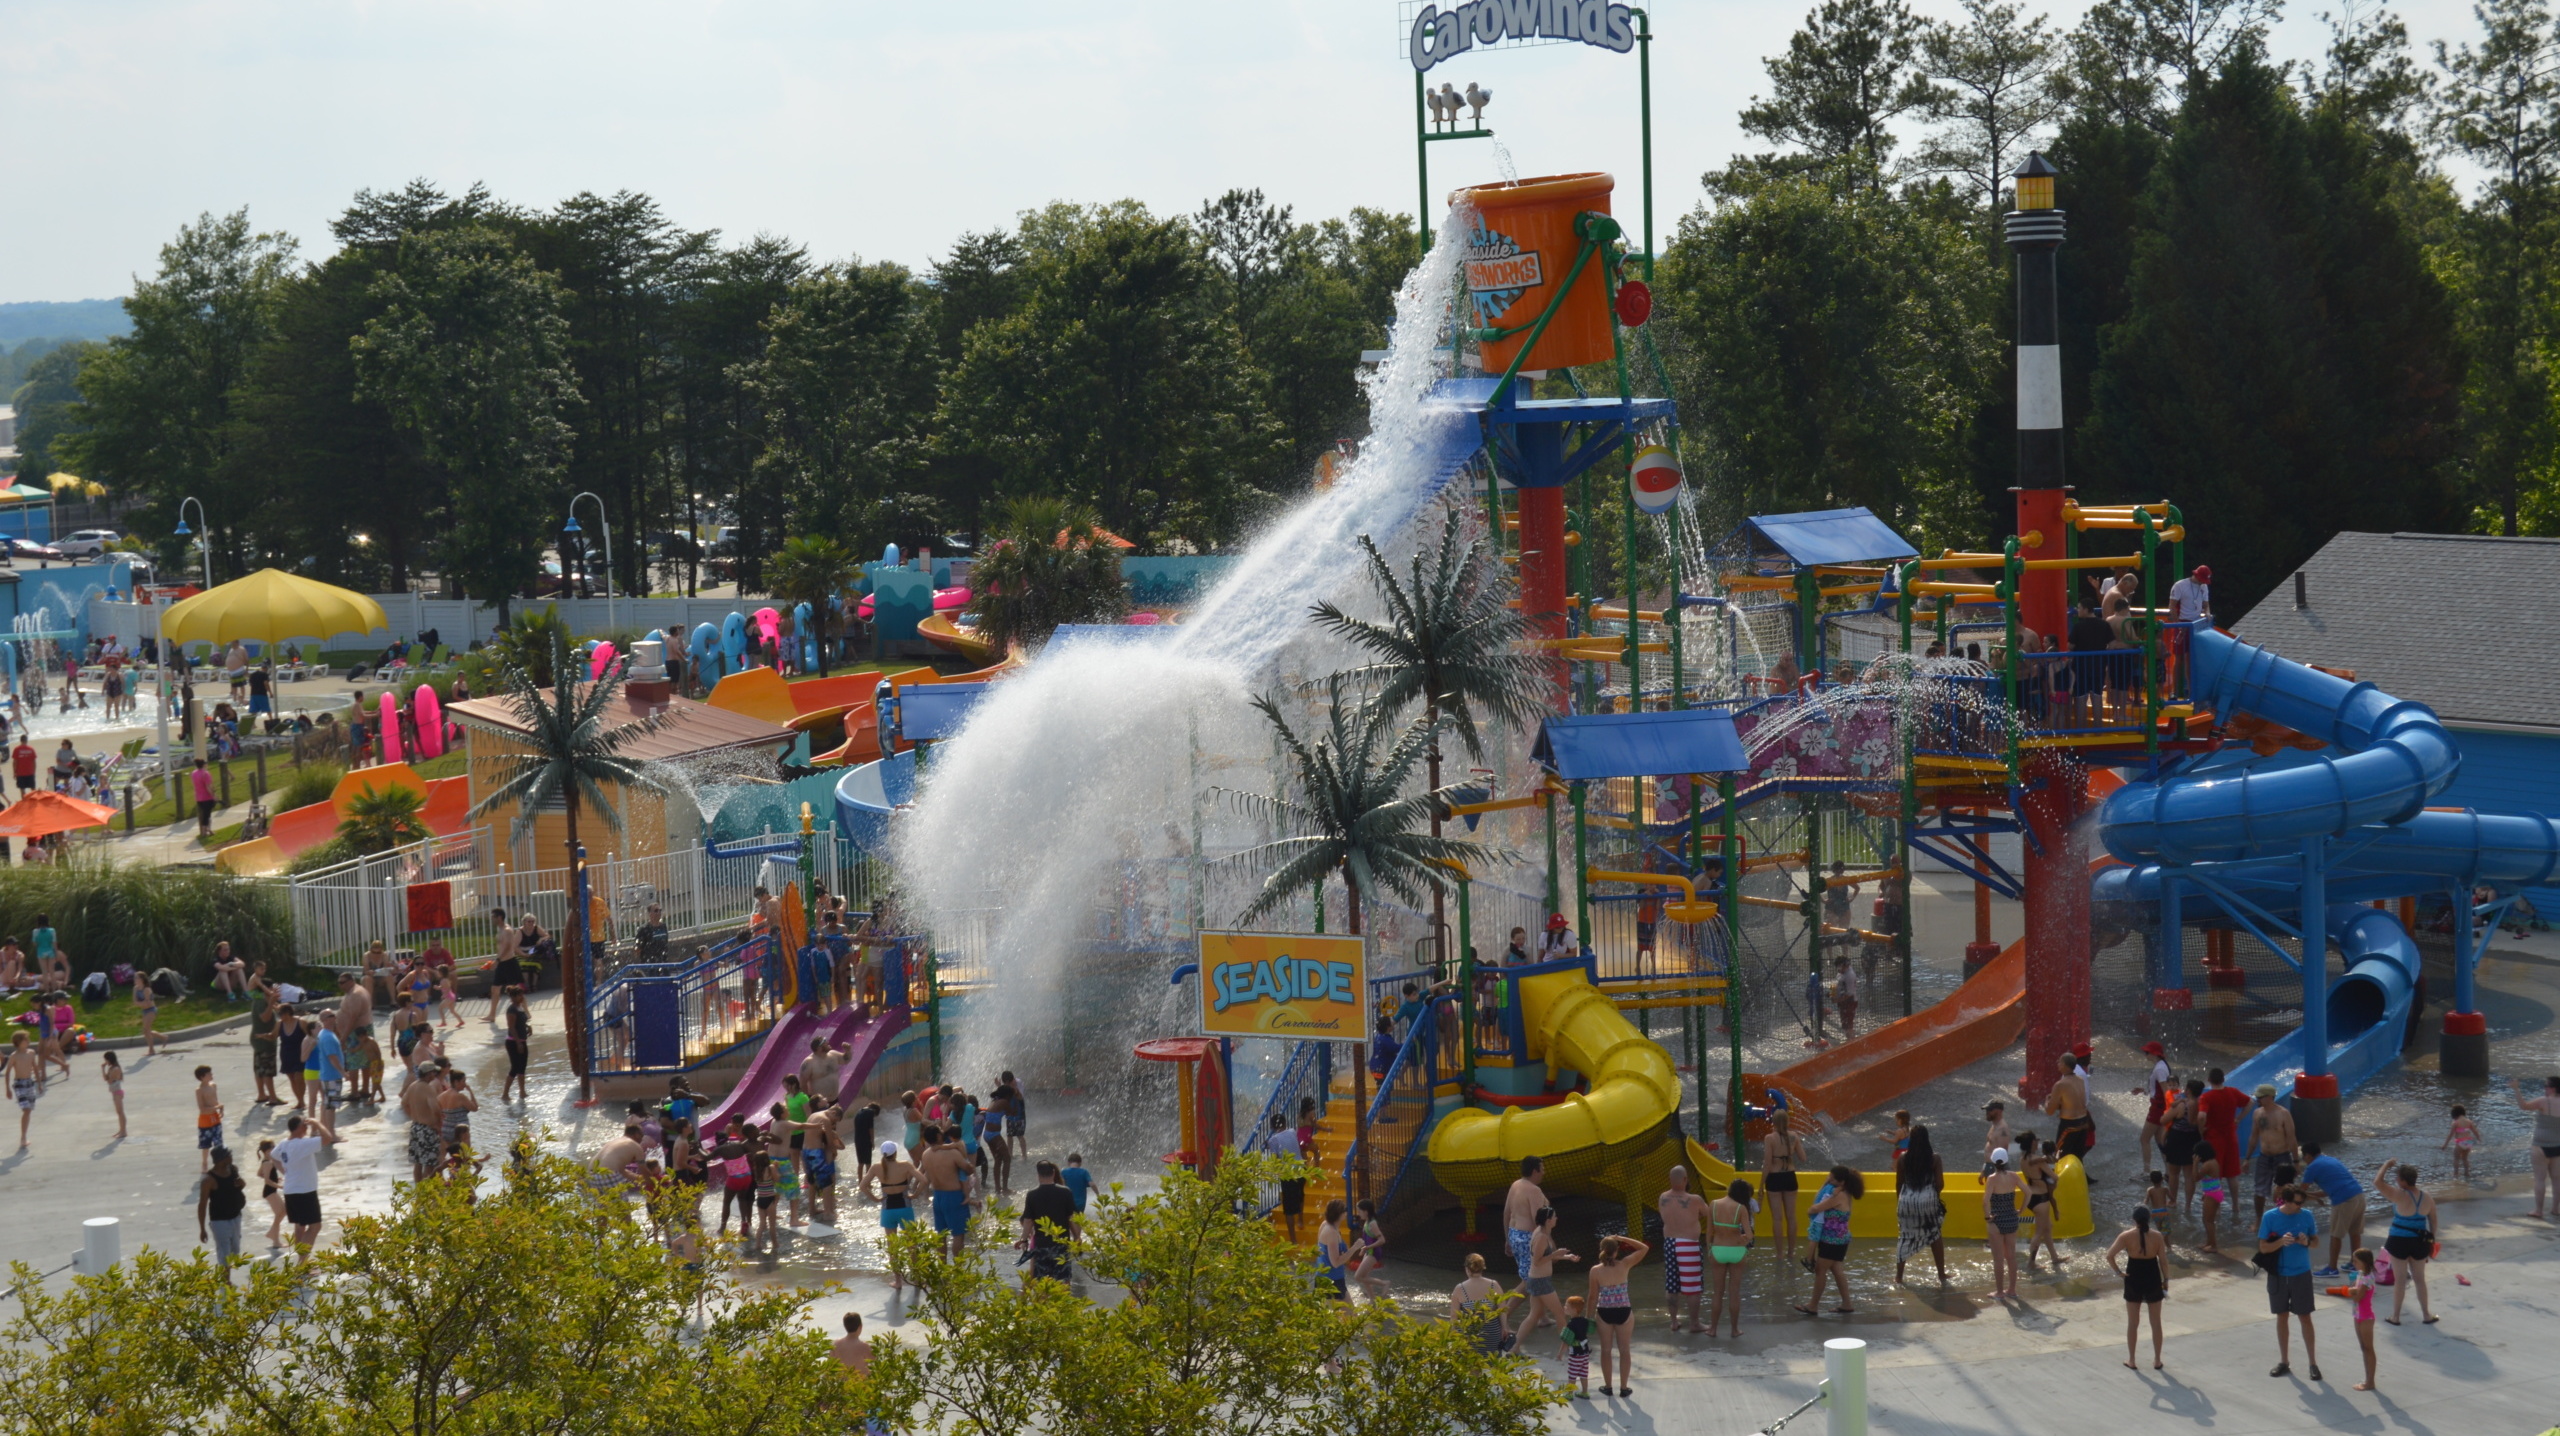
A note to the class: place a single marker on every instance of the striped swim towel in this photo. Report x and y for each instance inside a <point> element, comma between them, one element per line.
<point>1684,1271</point>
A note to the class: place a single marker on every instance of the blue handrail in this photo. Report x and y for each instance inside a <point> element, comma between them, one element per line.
<point>1417,1056</point>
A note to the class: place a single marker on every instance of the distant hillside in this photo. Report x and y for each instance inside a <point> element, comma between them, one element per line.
<point>62,319</point>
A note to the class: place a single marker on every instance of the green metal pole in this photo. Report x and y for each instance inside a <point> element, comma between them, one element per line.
<point>1644,122</point>
<point>1910,796</point>
<point>1466,990</point>
<point>1730,908</point>
<point>1814,885</point>
<point>1555,902</point>
<point>1581,867</point>
<point>1422,163</point>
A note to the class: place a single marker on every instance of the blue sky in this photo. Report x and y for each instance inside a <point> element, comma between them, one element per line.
<point>861,127</point>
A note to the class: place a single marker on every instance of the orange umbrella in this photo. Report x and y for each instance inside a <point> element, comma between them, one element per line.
<point>44,811</point>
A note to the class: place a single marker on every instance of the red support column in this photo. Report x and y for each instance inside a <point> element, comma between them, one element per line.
<point>1543,569</point>
<point>2057,912</point>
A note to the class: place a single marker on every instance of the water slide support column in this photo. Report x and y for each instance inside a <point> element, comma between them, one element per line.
<point>2463,1049</point>
<point>2316,1105</point>
<point>1543,556</point>
<point>2056,875</point>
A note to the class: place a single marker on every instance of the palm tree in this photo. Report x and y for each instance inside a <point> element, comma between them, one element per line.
<point>380,819</point>
<point>1449,640</point>
<point>1353,817</point>
<point>1051,563</point>
<point>815,570</point>
<point>572,748</point>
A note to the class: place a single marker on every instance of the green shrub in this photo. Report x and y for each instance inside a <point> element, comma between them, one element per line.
<point>308,784</point>
<point>105,912</point>
<point>320,855</point>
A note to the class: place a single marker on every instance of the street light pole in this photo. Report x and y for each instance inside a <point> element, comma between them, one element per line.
<point>606,522</point>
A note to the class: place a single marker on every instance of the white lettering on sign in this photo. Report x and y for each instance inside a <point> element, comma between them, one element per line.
<point>1516,273</point>
<point>1499,271</point>
<point>1440,34</point>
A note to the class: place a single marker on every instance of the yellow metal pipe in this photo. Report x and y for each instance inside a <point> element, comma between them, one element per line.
<point>1619,611</point>
<point>1969,590</point>
<point>2100,561</point>
<point>1687,909</point>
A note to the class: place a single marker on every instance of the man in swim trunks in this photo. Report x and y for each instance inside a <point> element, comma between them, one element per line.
<point>2075,1131</point>
<point>947,1169</point>
<point>2271,1143</point>
<point>2221,1107</point>
<point>26,1081</point>
<point>418,1103</point>
<point>1520,1212</point>
<point>1684,1269</point>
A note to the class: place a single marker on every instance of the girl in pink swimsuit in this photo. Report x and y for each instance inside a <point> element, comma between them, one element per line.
<point>2364,1313</point>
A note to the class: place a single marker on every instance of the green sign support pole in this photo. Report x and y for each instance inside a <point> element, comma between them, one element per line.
<point>1730,908</point>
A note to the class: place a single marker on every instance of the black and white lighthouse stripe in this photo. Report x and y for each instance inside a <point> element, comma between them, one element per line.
<point>2035,234</point>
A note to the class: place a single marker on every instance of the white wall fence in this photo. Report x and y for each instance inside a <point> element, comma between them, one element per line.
<point>458,621</point>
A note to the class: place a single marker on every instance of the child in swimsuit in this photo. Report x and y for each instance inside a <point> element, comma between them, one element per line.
<point>2364,1269</point>
<point>2209,1189</point>
<point>1573,1342</point>
<point>2160,1200</point>
<point>2464,1136</point>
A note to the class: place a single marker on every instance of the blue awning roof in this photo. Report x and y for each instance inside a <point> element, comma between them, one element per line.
<point>1639,745</point>
<point>1828,536</point>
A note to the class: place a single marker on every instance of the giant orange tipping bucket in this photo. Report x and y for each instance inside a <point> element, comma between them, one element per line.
<point>1522,247</point>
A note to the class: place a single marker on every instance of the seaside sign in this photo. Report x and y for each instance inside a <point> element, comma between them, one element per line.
<point>1282,984</point>
<point>1439,34</point>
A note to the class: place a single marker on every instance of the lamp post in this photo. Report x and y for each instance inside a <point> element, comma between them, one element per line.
<point>604,521</point>
<point>183,531</point>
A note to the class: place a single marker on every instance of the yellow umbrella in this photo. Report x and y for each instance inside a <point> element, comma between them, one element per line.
<point>270,607</point>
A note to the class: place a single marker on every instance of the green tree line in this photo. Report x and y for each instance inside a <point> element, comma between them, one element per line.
<point>430,396</point>
<point>2296,298</point>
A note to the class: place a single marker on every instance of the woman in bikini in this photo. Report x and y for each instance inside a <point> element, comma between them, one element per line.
<point>1780,1153</point>
<point>2000,1219</point>
<point>2178,1141</point>
<point>2036,1169</point>
<point>270,1184</point>
<point>896,1207</point>
<point>1540,1284</point>
<point>1617,1312</point>
<point>1730,1237</point>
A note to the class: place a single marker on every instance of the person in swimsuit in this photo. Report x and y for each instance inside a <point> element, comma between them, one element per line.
<point>1520,1208</point>
<point>2544,1156</point>
<point>2035,1168</point>
<point>1683,1267</point>
<point>2158,1088</point>
<point>1615,1262</point>
<point>111,1072</point>
<point>1540,1282</point>
<point>292,1034</point>
<point>1827,1226</point>
<point>2271,1143</point>
<point>26,1081</point>
<point>2075,1131</point>
<point>2364,1282</point>
<point>270,1178</point>
<point>1479,1306</point>
<point>2412,1242</point>
<point>2160,1201</point>
<point>2000,1218</point>
<point>2179,1141</point>
<point>1731,1233</point>
<point>1919,1204</point>
<point>2209,1190</point>
<point>1369,1249</point>
<point>2463,1136</point>
<point>1573,1343</point>
<point>1780,1153</point>
<point>2146,1282</point>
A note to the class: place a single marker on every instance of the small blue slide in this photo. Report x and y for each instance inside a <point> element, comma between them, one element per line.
<point>2243,822</point>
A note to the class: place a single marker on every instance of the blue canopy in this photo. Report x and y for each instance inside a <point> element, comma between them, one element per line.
<point>1827,536</point>
<point>1641,745</point>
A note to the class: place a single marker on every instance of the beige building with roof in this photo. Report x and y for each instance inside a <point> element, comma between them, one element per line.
<point>494,733</point>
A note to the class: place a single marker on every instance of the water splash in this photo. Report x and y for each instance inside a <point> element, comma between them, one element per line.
<point>1065,844</point>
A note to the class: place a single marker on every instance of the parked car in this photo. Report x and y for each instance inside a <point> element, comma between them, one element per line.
<point>25,550</point>
<point>89,543</point>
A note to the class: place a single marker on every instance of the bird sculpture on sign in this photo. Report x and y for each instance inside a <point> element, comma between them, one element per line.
<point>1449,101</point>
<point>1476,100</point>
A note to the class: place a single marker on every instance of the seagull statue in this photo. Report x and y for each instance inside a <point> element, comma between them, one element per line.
<point>1478,99</point>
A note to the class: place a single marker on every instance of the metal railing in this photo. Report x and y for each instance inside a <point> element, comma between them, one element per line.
<point>1400,1111</point>
<point>2097,692</point>
<point>674,1016</point>
<point>338,911</point>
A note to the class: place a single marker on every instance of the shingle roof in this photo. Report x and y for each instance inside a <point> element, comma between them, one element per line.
<point>2463,623</point>
<point>687,729</point>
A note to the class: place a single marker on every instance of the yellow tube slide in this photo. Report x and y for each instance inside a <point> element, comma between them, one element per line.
<point>1616,1137</point>
<point>1873,1214</point>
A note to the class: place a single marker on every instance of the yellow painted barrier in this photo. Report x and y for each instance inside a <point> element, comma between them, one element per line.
<point>1872,1216</point>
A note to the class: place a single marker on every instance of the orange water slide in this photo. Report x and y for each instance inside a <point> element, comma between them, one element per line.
<point>1977,1020</point>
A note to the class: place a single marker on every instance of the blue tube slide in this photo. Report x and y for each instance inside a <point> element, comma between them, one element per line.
<point>868,794</point>
<point>2243,825</point>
